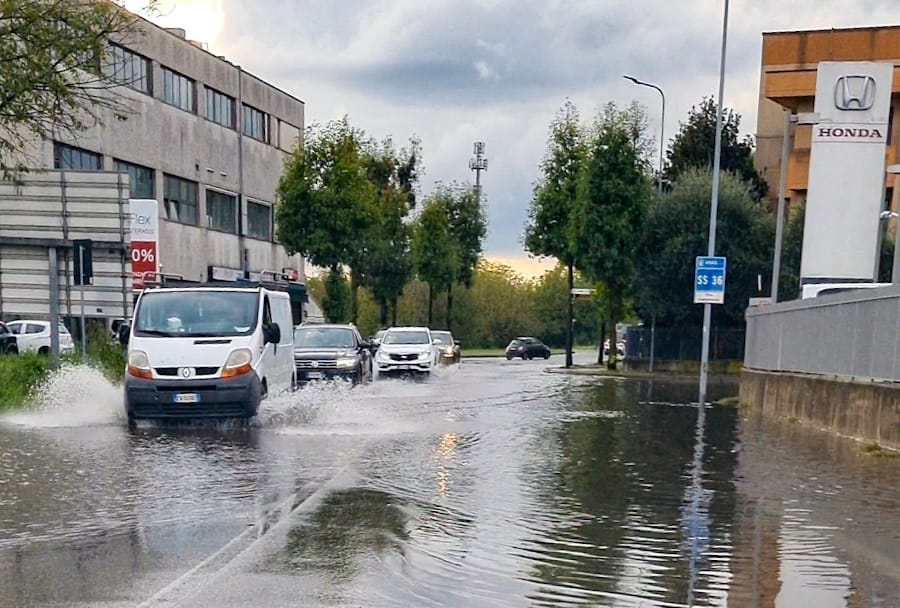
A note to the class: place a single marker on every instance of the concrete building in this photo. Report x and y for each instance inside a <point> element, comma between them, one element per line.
<point>204,138</point>
<point>788,80</point>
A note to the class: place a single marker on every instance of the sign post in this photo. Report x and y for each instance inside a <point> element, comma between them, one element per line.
<point>84,273</point>
<point>709,280</point>
<point>144,240</point>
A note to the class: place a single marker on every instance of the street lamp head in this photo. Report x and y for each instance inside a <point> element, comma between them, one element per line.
<point>632,79</point>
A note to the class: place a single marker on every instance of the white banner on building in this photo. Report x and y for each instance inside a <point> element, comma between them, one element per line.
<point>144,240</point>
<point>846,171</point>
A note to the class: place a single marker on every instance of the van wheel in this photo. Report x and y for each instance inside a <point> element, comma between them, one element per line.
<point>264,391</point>
<point>12,350</point>
<point>44,350</point>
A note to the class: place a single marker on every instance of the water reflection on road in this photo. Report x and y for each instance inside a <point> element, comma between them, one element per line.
<point>494,484</point>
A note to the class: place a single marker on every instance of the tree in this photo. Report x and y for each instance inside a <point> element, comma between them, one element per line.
<point>336,302</point>
<point>675,233</point>
<point>433,247</point>
<point>327,200</point>
<point>694,147</point>
<point>613,195</point>
<point>550,212</point>
<point>55,69</point>
<point>387,266</point>
<point>468,227</point>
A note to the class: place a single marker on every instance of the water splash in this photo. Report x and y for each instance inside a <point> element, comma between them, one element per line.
<point>72,396</point>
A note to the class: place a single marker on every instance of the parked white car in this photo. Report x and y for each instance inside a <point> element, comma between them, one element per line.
<point>34,336</point>
<point>406,350</point>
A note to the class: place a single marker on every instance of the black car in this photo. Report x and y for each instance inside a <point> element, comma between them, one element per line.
<point>8,343</point>
<point>329,351</point>
<point>527,348</point>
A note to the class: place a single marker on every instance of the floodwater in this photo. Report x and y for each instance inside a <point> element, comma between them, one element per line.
<point>495,483</point>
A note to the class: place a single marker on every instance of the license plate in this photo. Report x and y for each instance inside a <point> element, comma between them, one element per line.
<point>186,398</point>
<point>313,375</point>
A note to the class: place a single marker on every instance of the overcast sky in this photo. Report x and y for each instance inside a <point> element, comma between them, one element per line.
<point>456,71</point>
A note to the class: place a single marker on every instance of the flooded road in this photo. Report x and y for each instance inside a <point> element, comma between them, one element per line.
<point>493,484</point>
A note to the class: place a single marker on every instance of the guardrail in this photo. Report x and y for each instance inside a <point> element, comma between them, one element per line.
<point>853,334</point>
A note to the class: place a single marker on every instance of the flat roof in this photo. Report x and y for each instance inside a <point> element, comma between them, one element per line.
<point>872,28</point>
<point>168,30</point>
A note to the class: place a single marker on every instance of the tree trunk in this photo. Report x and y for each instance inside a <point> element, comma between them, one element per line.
<point>354,296</point>
<point>394,312</point>
<point>569,314</point>
<point>450,307</point>
<point>430,302</point>
<point>382,312</point>
<point>602,336</point>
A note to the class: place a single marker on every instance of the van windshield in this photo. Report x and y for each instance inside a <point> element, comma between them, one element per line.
<point>195,313</point>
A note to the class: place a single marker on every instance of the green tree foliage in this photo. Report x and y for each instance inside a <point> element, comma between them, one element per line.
<point>327,201</point>
<point>468,227</point>
<point>550,300</point>
<point>433,247</point>
<point>387,267</point>
<point>675,233</point>
<point>547,230</point>
<point>613,195</point>
<point>52,59</point>
<point>336,300</point>
<point>694,147</point>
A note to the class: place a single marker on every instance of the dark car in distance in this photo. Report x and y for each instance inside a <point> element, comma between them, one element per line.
<point>8,342</point>
<point>527,347</point>
<point>448,348</point>
<point>331,351</point>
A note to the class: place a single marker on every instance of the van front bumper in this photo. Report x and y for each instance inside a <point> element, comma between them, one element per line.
<point>195,398</point>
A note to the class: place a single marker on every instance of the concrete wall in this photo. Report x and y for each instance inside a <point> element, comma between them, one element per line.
<point>832,362</point>
<point>863,410</point>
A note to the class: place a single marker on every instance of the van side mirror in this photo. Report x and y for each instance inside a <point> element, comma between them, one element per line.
<point>272,334</point>
<point>123,331</point>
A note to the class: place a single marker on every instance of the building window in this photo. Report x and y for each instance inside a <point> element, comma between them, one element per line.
<point>75,159</point>
<point>221,211</point>
<point>259,221</point>
<point>140,180</point>
<point>178,90</point>
<point>220,108</point>
<point>255,123</point>
<point>180,200</point>
<point>130,69</point>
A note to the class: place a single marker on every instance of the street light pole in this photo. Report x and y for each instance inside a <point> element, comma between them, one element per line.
<point>659,184</point>
<point>713,209</point>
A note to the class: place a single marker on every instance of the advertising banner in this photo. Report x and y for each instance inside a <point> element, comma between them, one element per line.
<point>144,240</point>
<point>846,171</point>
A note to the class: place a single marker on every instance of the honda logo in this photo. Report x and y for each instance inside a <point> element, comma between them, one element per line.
<point>854,92</point>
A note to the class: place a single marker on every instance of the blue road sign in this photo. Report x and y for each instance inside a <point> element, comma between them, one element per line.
<point>709,280</point>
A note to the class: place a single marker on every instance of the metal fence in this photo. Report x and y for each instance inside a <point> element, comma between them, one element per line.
<point>849,334</point>
<point>684,343</point>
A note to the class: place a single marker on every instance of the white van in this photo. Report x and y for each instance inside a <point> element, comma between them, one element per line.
<point>207,351</point>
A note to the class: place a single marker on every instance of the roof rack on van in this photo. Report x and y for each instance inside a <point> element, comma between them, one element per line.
<point>296,290</point>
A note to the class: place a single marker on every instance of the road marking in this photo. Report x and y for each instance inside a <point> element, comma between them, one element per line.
<point>262,527</point>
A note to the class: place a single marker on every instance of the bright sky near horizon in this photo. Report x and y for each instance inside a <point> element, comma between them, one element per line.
<point>456,71</point>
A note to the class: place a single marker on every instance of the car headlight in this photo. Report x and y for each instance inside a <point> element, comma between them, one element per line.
<point>139,365</point>
<point>381,356</point>
<point>238,363</point>
<point>448,350</point>
<point>346,362</point>
<point>424,354</point>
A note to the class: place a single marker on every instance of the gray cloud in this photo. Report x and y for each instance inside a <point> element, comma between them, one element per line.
<point>453,71</point>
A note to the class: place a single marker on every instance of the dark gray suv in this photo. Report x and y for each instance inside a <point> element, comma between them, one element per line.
<point>331,351</point>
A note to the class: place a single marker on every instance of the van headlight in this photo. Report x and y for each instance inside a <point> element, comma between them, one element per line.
<point>346,362</point>
<point>139,365</point>
<point>238,363</point>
